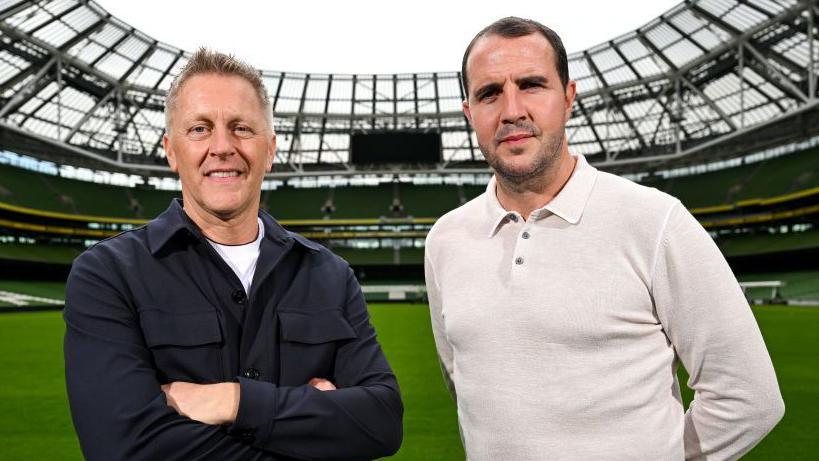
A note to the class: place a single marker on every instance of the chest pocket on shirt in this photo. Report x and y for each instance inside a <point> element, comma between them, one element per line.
<point>309,341</point>
<point>185,346</point>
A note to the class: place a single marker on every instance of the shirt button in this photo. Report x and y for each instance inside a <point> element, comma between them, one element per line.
<point>252,373</point>
<point>247,437</point>
<point>519,260</point>
<point>512,217</point>
<point>239,296</point>
<point>525,235</point>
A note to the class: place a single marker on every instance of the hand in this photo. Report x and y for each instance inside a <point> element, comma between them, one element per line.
<point>322,384</point>
<point>207,403</point>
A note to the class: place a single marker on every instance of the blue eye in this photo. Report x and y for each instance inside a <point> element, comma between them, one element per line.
<point>198,131</point>
<point>243,130</point>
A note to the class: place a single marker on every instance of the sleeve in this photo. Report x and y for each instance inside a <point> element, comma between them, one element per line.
<point>445,356</point>
<point>361,419</point>
<point>117,405</point>
<point>708,321</point>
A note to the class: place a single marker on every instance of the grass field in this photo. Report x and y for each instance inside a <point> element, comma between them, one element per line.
<point>54,291</point>
<point>35,423</point>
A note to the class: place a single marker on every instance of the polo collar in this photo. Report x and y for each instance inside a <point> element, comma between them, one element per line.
<point>495,212</point>
<point>175,223</point>
<point>568,204</point>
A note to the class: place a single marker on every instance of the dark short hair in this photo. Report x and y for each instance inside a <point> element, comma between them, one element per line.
<point>512,27</point>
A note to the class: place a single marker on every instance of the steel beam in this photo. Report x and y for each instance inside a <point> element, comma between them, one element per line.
<point>72,61</point>
<point>88,114</point>
<point>710,103</point>
<point>614,100</point>
<point>782,79</point>
<point>33,87</point>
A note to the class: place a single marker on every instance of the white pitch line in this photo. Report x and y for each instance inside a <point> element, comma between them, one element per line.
<point>19,299</point>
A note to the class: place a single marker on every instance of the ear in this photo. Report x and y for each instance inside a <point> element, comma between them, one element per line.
<point>271,152</point>
<point>170,155</point>
<point>571,94</point>
<point>467,111</point>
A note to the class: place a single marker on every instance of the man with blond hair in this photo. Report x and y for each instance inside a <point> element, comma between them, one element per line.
<point>563,299</point>
<point>212,332</point>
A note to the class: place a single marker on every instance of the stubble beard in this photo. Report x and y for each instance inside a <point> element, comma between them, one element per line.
<point>538,169</point>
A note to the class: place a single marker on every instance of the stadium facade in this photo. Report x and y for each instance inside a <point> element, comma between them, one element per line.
<point>707,85</point>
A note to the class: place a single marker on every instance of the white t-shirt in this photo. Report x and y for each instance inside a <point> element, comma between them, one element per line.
<point>242,258</point>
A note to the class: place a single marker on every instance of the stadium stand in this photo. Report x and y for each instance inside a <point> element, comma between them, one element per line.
<point>53,193</point>
<point>295,204</point>
<point>364,201</point>
<point>761,243</point>
<point>769,178</point>
<point>34,190</point>
<point>38,253</point>
<point>709,81</point>
<point>425,201</point>
<point>380,256</point>
<point>147,203</point>
<point>759,180</point>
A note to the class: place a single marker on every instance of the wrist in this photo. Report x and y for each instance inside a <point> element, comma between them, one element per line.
<point>230,399</point>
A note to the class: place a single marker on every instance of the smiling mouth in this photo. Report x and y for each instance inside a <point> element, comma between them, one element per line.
<point>222,174</point>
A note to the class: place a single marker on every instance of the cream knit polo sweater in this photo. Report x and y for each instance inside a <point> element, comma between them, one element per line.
<point>562,333</point>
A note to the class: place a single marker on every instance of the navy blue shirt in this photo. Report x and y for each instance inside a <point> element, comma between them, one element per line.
<point>157,304</point>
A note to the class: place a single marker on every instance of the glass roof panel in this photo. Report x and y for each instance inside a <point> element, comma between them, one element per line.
<point>123,64</point>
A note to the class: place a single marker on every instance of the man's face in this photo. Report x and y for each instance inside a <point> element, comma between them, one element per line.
<point>220,143</point>
<point>517,104</point>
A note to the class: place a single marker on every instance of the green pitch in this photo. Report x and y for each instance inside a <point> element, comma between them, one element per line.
<point>35,423</point>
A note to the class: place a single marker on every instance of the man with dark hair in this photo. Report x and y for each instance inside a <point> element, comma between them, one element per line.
<point>563,298</point>
<point>513,27</point>
<point>212,333</point>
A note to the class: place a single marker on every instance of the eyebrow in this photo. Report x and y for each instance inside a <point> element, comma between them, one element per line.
<point>487,89</point>
<point>538,79</point>
<point>207,117</point>
<point>496,87</point>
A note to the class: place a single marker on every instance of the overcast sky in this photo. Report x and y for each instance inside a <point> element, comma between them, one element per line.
<point>367,36</point>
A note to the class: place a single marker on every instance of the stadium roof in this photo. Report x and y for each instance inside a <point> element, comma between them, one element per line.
<point>83,87</point>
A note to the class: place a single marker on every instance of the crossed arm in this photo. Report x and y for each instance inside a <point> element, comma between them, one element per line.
<point>122,411</point>
<point>214,403</point>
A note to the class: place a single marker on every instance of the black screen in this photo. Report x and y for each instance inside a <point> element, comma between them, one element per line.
<point>395,147</point>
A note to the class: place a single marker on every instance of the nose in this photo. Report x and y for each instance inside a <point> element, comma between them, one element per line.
<point>222,143</point>
<point>513,108</point>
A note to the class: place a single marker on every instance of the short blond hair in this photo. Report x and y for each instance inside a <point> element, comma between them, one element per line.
<point>206,61</point>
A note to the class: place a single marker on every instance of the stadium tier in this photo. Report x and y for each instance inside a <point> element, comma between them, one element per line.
<point>55,254</point>
<point>761,243</point>
<point>768,178</point>
<point>745,206</point>
<point>759,180</point>
<point>765,179</point>
<point>357,256</point>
